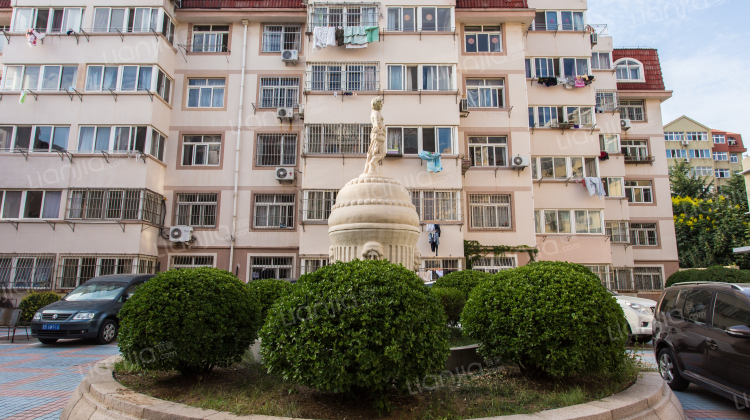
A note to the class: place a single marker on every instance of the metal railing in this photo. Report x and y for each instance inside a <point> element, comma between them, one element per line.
<point>343,15</point>
<point>599,29</point>
<point>344,77</point>
<point>236,4</point>
<point>75,269</point>
<point>491,4</point>
<point>191,261</point>
<point>115,204</point>
<point>638,159</point>
<point>26,271</point>
<point>337,138</point>
<point>606,100</point>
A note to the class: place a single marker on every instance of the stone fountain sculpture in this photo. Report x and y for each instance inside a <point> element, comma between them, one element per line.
<point>373,218</point>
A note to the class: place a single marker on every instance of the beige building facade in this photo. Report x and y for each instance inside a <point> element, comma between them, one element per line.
<point>222,123</point>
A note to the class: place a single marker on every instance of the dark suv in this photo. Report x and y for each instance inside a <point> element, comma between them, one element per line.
<point>702,335</point>
<point>89,311</point>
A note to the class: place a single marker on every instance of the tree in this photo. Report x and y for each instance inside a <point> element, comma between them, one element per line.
<point>686,183</point>
<point>735,191</point>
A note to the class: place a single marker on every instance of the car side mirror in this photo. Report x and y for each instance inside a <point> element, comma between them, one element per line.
<point>740,331</point>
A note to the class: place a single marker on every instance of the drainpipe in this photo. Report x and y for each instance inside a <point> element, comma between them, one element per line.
<point>245,22</point>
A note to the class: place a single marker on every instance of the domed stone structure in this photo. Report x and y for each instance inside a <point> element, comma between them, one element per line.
<point>373,218</point>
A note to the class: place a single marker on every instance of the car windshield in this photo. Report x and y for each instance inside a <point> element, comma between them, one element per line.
<point>96,291</point>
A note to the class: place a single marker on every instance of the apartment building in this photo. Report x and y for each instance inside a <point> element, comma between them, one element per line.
<point>167,134</point>
<point>714,154</point>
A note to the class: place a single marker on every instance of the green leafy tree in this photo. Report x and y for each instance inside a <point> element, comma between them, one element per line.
<point>687,184</point>
<point>735,191</point>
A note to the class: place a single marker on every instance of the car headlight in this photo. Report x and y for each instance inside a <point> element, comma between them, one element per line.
<point>84,315</point>
<point>37,316</point>
<point>645,310</point>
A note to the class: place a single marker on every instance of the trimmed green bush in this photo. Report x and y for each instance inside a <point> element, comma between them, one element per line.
<point>453,302</point>
<point>681,277</point>
<point>35,301</point>
<point>550,318</point>
<point>716,273</point>
<point>464,280</point>
<point>365,326</point>
<point>268,292</point>
<point>189,320</point>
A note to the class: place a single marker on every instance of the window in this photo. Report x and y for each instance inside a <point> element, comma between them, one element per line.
<point>544,67</point>
<point>635,150</point>
<point>270,268</point>
<point>731,141</point>
<point>206,93</point>
<point>436,19</point>
<point>600,61</point>
<point>696,136</point>
<point>721,156</point>
<point>281,37</point>
<point>639,191</point>
<point>673,136</point>
<point>553,221</point>
<point>606,101</point>
<point>164,86</point>
<point>157,145</point>
<point>643,234</point>
<point>613,186</point>
<point>274,211</point>
<point>200,150</point>
<point>55,20</point>
<point>44,78</point>
<point>210,38</point>
<point>488,151</point>
<point>318,204</point>
<point>196,209</point>
<point>401,19</point>
<point>494,264</point>
<point>632,110</point>
<point>588,221</point>
<point>115,204</point>
<point>436,206</point>
<point>339,138</point>
<point>277,92</point>
<point>571,21</point>
<point>733,158</point>
<point>618,231</point>
<point>437,139</point>
<point>191,261</point>
<point>168,28</point>
<point>275,149</point>
<point>553,21</point>
<point>629,70</point>
<point>527,63</point>
<point>485,93</point>
<point>403,77</point>
<point>553,167</point>
<point>76,269</point>
<point>483,38</point>
<point>550,116</point>
<point>344,15</point>
<point>730,311</point>
<point>609,143</point>
<point>31,204</point>
<point>402,140</point>
<point>110,19</point>
<point>437,77</point>
<point>700,153</point>
<point>114,139</point>
<point>700,171</point>
<point>677,153</point>
<point>343,76</point>
<point>311,265</point>
<point>490,211</point>
<point>26,271</point>
<point>448,265</point>
<point>696,306</point>
<point>122,78</point>
<point>721,173</point>
<point>144,19</point>
<point>38,138</point>
<point>719,139</point>
<point>101,78</point>
<point>573,67</point>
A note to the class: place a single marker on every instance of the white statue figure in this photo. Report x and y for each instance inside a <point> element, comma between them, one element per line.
<point>377,149</point>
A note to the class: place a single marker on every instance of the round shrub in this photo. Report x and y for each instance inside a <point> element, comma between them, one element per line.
<point>550,318</point>
<point>35,301</point>
<point>453,302</point>
<point>716,273</point>
<point>464,280</point>
<point>189,320</point>
<point>268,291</point>
<point>681,277</point>
<point>369,326</point>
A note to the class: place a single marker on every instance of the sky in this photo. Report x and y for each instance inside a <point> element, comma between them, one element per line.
<point>704,49</point>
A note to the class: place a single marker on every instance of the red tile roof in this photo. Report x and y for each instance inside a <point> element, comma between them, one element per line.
<point>739,147</point>
<point>651,68</point>
<point>4,4</point>
<point>241,4</point>
<point>491,4</point>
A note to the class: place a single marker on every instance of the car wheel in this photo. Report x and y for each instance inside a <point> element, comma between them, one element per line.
<point>48,340</point>
<point>107,332</point>
<point>643,339</point>
<point>669,371</point>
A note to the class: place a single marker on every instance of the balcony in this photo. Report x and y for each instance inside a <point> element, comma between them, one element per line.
<point>639,159</point>
<point>238,4</point>
<point>4,4</point>
<point>491,4</point>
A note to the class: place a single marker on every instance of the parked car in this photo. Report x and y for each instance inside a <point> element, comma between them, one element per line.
<point>702,335</point>
<point>639,313</point>
<point>89,311</point>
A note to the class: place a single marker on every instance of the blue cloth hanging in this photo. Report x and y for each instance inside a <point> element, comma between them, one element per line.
<point>433,161</point>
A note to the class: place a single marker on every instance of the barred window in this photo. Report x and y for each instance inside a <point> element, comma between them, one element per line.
<point>606,100</point>
<point>276,92</point>
<point>75,269</point>
<point>436,206</point>
<point>115,204</point>
<point>276,149</point>
<point>270,268</point>
<point>310,265</point>
<point>632,110</point>
<point>643,234</point>
<point>281,37</point>
<point>318,204</point>
<point>618,231</point>
<point>196,209</point>
<point>490,211</point>
<point>648,278</point>
<point>338,15</point>
<point>494,264</point>
<point>192,261</point>
<point>447,265</point>
<point>488,151</point>
<point>274,211</point>
<point>26,271</point>
<point>201,150</point>
<point>337,138</point>
<point>343,76</point>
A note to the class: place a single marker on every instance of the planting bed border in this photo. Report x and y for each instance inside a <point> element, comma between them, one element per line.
<point>100,397</point>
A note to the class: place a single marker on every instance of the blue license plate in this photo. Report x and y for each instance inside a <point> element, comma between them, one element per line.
<point>51,326</point>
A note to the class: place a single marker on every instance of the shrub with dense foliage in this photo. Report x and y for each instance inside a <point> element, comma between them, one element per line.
<point>367,326</point>
<point>453,302</point>
<point>189,320</point>
<point>551,318</point>
<point>35,301</point>
<point>268,292</point>
<point>464,280</point>
<point>716,273</point>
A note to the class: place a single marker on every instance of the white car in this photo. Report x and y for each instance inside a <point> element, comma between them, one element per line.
<point>640,315</point>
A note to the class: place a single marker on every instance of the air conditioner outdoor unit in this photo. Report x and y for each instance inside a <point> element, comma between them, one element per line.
<point>289,56</point>
<point>284,174</point>
<point>301,111</point>
<point>625,124</point>
<point>684,142</point>
<point>285,113</point>
<point>464,105</point>
<point>594,39</point>
<point>519,162</point>
<point>687,159</point>
<point>180,233</point>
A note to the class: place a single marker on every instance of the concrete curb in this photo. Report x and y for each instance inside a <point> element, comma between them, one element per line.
<point>100,397</point>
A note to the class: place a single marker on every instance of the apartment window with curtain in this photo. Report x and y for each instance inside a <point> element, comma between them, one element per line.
<point>30,204</point>
<point>719,139</point>
<point>118,78</point>
<point>490,211</point>
<point>163,86</point>
<point>274,211</point>
<point>568,221</point>
<point>601,61</point>
<point>574,67</point>
<point>613,186</point>
<point>401,19</point>
<point>39,138</point>
<point>639,191</point>
<point>40,78</point>
<point>278,92</point>
<point>210,38</point>
<point>563,168</point>
<point>635,150</point>
<point>276,149</point>
<point>721,156</point>
<point>488,150</point>
<point>318,204</point>
<point>609,143</point>
<point>485,93</point>
<point>437,77</point>
<point>196,209</point>
<point>157,145</point>
<point>629,70</point>
<point>643,234</point>
<point>436,205</point>
<point>113,139</point>
<point>278,37</point>
<point>54,20</point>
<point>206,93</point>
<point>201,150</point>
<point>483,38</point>
<point>402,140</point>
<point>401,77</point>
<point>437,139</point>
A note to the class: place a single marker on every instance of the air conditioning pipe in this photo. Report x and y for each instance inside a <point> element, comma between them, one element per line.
<point>245,22</point>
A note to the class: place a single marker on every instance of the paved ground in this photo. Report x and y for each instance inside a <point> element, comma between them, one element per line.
<point>36,381</point>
